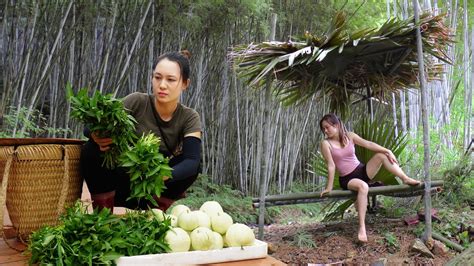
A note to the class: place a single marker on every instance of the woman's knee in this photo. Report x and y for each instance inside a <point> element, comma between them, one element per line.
<point>359,186</point>
<point>380,156</point>
<point>363,188</point>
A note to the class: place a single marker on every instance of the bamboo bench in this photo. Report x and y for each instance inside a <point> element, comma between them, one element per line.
<point>401,191</point>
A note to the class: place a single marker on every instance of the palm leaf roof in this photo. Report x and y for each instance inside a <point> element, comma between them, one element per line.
<point>341,64</point>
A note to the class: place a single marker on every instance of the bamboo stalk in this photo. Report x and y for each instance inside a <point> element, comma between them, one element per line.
<point>405,194</point>
<point>25,67</point>
<point>71,69</point>
<point>464,258</point>
<point>38,86</point>
<point>135,41</point>
<point>448,242</point>
<point>383,190</point>
<point>467,96</point>
<point>426,135</point>
<point>415,193</point>
<point>263,186</point>
<point>108,48</point>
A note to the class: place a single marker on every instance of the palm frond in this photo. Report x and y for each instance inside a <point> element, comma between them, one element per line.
<point>382,133</point>
<point>341,63</point>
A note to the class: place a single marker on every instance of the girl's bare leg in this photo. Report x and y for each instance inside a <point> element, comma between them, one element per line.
<point>362,190</point>
<point>379,159</point>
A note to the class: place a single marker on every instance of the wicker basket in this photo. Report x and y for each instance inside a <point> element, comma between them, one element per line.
<point>39,178</point>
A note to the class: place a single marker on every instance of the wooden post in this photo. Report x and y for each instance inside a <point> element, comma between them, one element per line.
<point>370,107</point>
<point>426,134</point>
<point>265,173</point>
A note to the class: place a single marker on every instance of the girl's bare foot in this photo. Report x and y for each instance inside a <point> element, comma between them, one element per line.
<point>362,236</point>
<point>411,181</point>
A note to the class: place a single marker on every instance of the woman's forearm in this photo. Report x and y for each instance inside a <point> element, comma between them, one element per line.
<point>330,182</point>
<point>188,163</point>
<point>377,148</point>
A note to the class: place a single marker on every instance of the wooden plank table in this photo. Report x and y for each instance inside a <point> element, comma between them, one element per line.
<point>12,257</point>
<point>269,260</point>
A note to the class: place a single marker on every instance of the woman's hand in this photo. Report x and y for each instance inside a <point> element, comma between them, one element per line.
<point>391,157</point>
<point>326,191</point>
<point>104,143</point>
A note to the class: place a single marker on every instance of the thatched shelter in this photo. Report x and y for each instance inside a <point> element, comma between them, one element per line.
<point>339,64</point>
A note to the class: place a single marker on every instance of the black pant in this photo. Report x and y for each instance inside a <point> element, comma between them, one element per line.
<point>99,179</point>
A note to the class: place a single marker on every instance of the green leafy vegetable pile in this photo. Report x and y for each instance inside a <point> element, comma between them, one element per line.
<point>107,116</point>
<point>98,238</point>
<point>146,167</point>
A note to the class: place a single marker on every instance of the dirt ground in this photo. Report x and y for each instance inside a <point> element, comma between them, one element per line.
<point>336,243</point>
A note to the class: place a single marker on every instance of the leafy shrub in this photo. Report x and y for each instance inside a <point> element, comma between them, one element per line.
<point>458,182</point>
<point>391,242</point>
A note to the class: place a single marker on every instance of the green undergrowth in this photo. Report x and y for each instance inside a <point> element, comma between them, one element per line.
<point>453,224</point>
<point>459,183</point>
<point>240,207</point>
<point>398,207</point>
<point>298,213</point>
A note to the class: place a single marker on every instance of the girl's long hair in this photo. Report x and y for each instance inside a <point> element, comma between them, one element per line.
<point>334,120</point>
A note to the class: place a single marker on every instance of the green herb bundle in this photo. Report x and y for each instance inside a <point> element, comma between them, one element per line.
<point>108,117</point>
<point>147,167</point>
<point>98,238</point>
<point>145,164</point>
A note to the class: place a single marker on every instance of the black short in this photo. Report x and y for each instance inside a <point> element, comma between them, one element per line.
<point>360,172</point>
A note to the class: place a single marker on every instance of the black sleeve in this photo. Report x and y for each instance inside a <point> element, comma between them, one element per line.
<point>188,166</point>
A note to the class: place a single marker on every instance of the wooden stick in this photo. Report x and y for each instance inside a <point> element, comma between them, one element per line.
<point>448,242</point>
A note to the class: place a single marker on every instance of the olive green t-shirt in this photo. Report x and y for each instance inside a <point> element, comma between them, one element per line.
<point>185,120</point>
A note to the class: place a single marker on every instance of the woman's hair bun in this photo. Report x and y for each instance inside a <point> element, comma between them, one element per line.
<point>185,53</point>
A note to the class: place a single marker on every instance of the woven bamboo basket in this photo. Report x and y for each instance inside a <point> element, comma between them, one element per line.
<point>39,178</point>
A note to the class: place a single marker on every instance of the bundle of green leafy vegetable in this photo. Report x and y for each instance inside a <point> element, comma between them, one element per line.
<point>141,156</point>
<point>146,167</point>
<point>106,116</point>
<point>98,238</point>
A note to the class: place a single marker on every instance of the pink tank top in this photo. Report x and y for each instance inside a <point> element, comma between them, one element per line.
<point>344,158</point>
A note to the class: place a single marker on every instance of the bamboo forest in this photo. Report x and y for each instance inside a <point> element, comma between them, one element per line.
<point>278,89</point>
